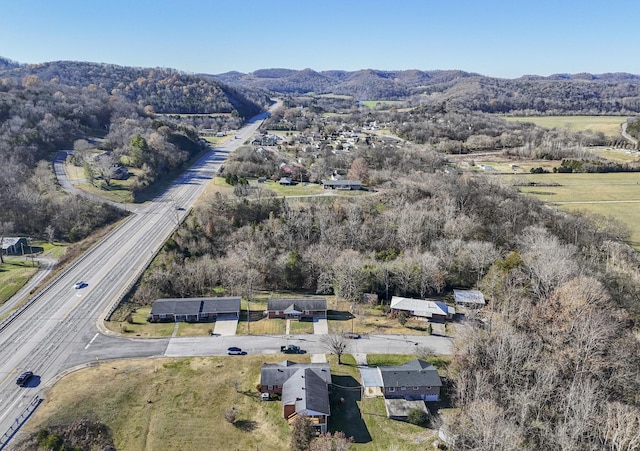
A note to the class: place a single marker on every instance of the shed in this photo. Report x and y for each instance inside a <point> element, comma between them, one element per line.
<point>13,245</point>
<point>469,298</point>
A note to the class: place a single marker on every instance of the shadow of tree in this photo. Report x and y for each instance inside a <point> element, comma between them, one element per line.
<point>246,425</point>
<point>345,413</point>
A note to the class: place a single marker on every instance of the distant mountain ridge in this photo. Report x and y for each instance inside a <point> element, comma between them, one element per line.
<point>366,84</point>
<point>609,93</point>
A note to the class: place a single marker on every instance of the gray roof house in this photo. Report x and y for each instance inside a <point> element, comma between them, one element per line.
<point>194,309</point>
<point>297,308</point>
<point>415,380</point>
<point>304,388</point>
<point>436,310</point>
<point>274,375</point>
<point>342,184</point>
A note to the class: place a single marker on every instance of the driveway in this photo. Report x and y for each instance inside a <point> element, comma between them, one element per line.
<point>320,326</point>
<point>226,326</point>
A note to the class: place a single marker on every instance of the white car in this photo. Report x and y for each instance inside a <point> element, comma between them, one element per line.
<point>79,284</point>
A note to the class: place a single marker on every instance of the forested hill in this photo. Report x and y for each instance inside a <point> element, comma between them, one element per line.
<point>166,90</point>
<point>8,64</point>
<point>614,93</point>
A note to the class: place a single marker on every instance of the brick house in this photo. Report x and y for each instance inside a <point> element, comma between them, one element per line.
<point>194,309</point>
<point>292,308</point>
<point>413,380</point>
<point>304,388</point>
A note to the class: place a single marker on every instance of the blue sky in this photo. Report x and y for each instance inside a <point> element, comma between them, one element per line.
<point>506,38</point>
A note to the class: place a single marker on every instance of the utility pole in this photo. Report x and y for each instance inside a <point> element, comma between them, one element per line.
<point>248,316</point>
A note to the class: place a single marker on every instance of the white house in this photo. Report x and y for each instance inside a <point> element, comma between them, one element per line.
<point>436,310</point>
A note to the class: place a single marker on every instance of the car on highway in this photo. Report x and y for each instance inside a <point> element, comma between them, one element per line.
<point>236,351</point>
<point>24,378</point>
<point>79,284</point>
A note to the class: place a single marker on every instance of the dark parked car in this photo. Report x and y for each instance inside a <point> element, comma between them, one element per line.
<point>24,378</point>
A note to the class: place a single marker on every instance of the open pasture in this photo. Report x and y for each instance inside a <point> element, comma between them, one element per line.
<point>609,125</point>
<point>613,194</point>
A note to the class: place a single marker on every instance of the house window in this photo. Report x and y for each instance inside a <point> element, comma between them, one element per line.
<point>277,312</point>
<point>392,389</point>
<point>415,388</point>
<point>428,388</point>
<point>269,387</point>
<point>306,312</point>
<point>403,388</point>
<point>163,316</point>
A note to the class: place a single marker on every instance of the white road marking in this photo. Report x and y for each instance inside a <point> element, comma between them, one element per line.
<point>89,344</point>
<point>9,409</point>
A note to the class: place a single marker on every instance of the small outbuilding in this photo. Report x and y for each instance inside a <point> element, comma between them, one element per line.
<point>14,245</point>
<point>469,298</point>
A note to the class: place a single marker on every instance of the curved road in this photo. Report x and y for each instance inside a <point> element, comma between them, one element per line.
<point>61,328</point>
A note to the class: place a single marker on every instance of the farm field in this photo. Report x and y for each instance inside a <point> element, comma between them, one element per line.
<point>609,125</point>
<point>614,194</point>
<point>164,404</point>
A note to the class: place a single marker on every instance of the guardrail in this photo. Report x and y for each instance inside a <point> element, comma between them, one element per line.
<point>15,426</point>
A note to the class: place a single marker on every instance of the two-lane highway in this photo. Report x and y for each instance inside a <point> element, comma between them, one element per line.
<point>55,332</point>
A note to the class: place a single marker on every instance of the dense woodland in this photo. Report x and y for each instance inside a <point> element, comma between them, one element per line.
<point>552,362</point>
<point>94,107</point>
<point>164,90</point>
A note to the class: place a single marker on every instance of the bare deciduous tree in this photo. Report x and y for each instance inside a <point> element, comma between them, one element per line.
<point>337,344</point>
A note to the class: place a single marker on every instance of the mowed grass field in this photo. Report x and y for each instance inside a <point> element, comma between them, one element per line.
<point>614,194</point>
<point>609,125</point>
<point>179,404</point>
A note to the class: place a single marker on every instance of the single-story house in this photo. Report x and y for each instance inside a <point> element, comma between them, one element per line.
<point>304,388</point>
<point>13,245</point>
<point>292,308</point>
<point>194,309</point>
<point>414,380</point>
<point>342,184</point>
<point>432,310</point>
<point>469,298</point>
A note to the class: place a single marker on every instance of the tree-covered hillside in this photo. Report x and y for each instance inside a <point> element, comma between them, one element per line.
<point>617,93</point>
<point>165,90</point>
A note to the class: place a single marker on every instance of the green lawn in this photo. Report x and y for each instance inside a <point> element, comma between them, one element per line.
<point>14,273</point>
<point>609,125</point>
<point>382,103</point>
<point>300,189</point>
<point>301,327</point>
<point>614,194</point>
<point>180,404</point>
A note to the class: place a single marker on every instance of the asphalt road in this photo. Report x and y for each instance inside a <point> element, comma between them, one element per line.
<point>59,329</point>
